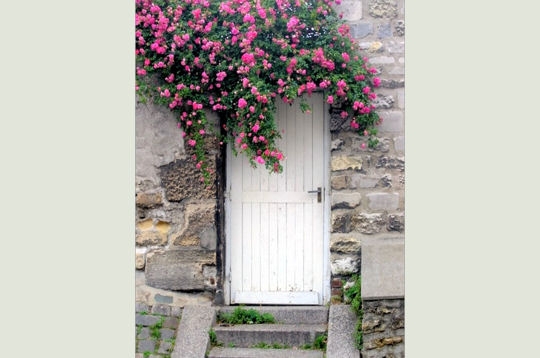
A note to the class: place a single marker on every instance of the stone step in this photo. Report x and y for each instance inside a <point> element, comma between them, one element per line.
<point>221,352</point>
<point>248,335</point>
<point>289,314</point>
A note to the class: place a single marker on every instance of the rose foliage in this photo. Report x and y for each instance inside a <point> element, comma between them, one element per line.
<point>238,58</point>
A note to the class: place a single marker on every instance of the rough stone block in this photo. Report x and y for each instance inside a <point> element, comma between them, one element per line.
<point>181,180</point>
<point>361,30</point>
<point>341,221</point>
<point>337,144</point>
<point>399,28</point>
<point>210,276</point>
<point>393,121</point>
<point>390,163</point>
<point>152,232</point>
<point>341,200</point>
<point>399,144</point>
<point>339,181</point>
<point>368,223</point>
<point>383,201</point>
<point>381,60</point>
<point>346,162</point>
<point>383,102</point>
<point>396,222</point>
<point>395,47</point>
<point>384,31</point>
<point>178,270</point>
<point>345,243</point>
<point>344,264</point>
<point>199,226</point>
<point>363,181</point>
<point>140,257</point>
<point>383,8</point>
<point>397,70</point>
<point>371,47</point>
<point>148,200</point>
<point>390,83</point>
<point>157,140</point>
<point>383,268</point>
<point>351,9</point>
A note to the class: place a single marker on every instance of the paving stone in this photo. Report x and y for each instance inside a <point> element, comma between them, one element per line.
<point>146,320</point>
<point>141,307</point>
<point>146,345</point>
<point>161,309</point>
<point>167,333</point>
<point>144,334</point>
<point>165,347</point>
<point>171,322</point>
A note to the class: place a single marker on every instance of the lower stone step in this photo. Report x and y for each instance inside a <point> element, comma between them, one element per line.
<point>248,335</point>
<point>221,352</point>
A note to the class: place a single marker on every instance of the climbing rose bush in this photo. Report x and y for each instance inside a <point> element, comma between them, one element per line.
<point>239,57</point>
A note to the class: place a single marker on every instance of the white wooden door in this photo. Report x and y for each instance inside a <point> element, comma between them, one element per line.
<point>275,235</point>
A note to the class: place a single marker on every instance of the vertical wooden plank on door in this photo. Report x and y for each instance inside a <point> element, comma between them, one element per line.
<point>264,248</point>
<point>236,230</point>
<point>291,186</point>
<point>308,224</point>
<point>281,208</point>
<point>318,167</point>
<point>246,227</point>
<point>264,179</point>
<point>282,247</point>
<point>272,230</point>
<point>273,247</point>
<point>300,123</point>
<point>255,246</point>
<point>246,247</point>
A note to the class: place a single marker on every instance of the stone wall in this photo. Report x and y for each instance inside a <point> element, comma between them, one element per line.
<point>368,185</point>
<point>175,230</point>
<point>383,328</point>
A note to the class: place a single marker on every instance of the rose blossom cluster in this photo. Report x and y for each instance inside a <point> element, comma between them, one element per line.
<point>238,57</point>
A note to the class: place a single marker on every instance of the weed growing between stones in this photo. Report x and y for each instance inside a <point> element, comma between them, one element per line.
<point>354,298</point>
<point>270,346</point>
<point>242,316</point>
<point>213,338</point>
<point>319,343</point>
<point>156,329</point>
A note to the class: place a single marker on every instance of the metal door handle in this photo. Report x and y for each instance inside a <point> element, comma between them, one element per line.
<point>319,192</point>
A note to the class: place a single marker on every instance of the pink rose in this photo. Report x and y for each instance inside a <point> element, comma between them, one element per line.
<point>242,103</point>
